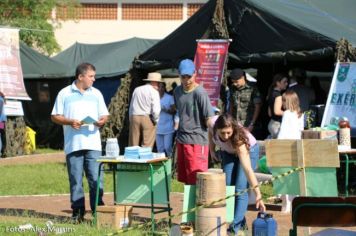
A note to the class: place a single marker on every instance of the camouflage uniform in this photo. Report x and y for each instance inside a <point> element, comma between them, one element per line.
<point>242,102</point>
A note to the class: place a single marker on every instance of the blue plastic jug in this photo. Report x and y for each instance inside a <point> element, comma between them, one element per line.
<point>264,225</point>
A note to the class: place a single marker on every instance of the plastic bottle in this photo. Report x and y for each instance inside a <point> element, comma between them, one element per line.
<point>112,147</point>
<point>264,225</point>
<point>344,133</point>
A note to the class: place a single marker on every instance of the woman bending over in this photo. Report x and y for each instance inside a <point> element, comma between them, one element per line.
<point>239,153</point>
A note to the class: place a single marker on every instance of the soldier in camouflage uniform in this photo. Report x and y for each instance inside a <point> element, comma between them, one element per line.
<point>245,99</point>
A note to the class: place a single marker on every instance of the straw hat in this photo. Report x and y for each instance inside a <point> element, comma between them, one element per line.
<point>154,77</point>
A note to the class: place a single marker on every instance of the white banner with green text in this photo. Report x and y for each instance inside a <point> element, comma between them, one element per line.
<point>342,95</point>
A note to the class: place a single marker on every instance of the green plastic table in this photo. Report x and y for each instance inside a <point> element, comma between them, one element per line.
<point>136,166</point>
<point>347,157</point>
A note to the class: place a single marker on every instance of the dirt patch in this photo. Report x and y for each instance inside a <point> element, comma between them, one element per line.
<point>34,159</point>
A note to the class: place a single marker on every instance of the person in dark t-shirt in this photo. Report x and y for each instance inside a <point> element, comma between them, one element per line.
<point>195,110</point>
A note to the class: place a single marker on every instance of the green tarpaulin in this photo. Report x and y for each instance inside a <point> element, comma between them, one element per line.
<point>48,75</point>
<point>35,65</point>
<point>110,59</point>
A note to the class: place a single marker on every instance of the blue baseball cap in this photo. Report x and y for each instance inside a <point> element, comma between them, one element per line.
<point>186,67</point>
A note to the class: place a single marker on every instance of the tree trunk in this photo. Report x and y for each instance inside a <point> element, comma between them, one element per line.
<point>15,136</point>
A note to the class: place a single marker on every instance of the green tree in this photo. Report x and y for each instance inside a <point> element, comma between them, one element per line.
<point>34,18</point>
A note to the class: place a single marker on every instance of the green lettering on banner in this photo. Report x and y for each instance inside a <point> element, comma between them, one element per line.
<point>339,99</point>
<point>333,98</point>
<point>346,100</point>
<point>352,100</point>
<point>343,99</point>
<point>342,73</point>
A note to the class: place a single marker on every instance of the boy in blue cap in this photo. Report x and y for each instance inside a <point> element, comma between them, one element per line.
<point>195,110</point>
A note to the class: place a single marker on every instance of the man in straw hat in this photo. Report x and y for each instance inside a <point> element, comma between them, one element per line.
<point>144,112</point>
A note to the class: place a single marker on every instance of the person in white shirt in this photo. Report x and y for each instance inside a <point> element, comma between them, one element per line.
<point>144,112</point>
<point>82,142</point>
<point>165,126</point>
<point>293,119</point>
<point>291,128</point>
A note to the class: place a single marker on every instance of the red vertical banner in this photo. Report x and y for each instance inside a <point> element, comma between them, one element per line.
<point>11,77</point>
<point>209,61</point>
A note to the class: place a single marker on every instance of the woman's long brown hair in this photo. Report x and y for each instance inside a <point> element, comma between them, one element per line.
<point>239,135</point>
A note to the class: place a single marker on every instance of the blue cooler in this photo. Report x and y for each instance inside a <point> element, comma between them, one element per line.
<point>264,225</point>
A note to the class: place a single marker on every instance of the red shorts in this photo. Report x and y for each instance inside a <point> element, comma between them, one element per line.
<point>192,158</point>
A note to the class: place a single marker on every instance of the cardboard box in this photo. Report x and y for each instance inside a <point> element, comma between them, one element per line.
<point>115,217</point>
<point>323,134</point>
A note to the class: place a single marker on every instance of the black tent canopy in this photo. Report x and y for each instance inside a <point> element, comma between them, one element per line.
<point>269,35</point>
<point>264,32</point>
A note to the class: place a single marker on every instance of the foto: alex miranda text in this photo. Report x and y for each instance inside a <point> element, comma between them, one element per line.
<point>52,229</point>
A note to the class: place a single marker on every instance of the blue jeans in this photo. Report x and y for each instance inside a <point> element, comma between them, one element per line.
<point>235,175</point>
<point>77,162</point>
<point>164,143</point>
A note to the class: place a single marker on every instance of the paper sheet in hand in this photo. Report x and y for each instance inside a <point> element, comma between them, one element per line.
<point>89,120</point>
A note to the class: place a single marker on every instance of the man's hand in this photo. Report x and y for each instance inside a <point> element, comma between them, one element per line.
<point>61,120</point>
<point>75,124</point>
<point>101,121</point>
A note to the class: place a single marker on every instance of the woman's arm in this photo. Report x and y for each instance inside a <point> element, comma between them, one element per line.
<point>244,157</point>
<point>278,106</point>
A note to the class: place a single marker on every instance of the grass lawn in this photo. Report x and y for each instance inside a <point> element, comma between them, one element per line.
<point>52,178</point>
<point>47,178</point>
<point>10,226</point>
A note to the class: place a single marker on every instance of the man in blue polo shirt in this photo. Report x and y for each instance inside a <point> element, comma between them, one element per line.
<point>81,110</point>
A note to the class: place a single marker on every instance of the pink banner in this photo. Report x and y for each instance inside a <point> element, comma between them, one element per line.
<point>209,61</point>
<point>11,77</point>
